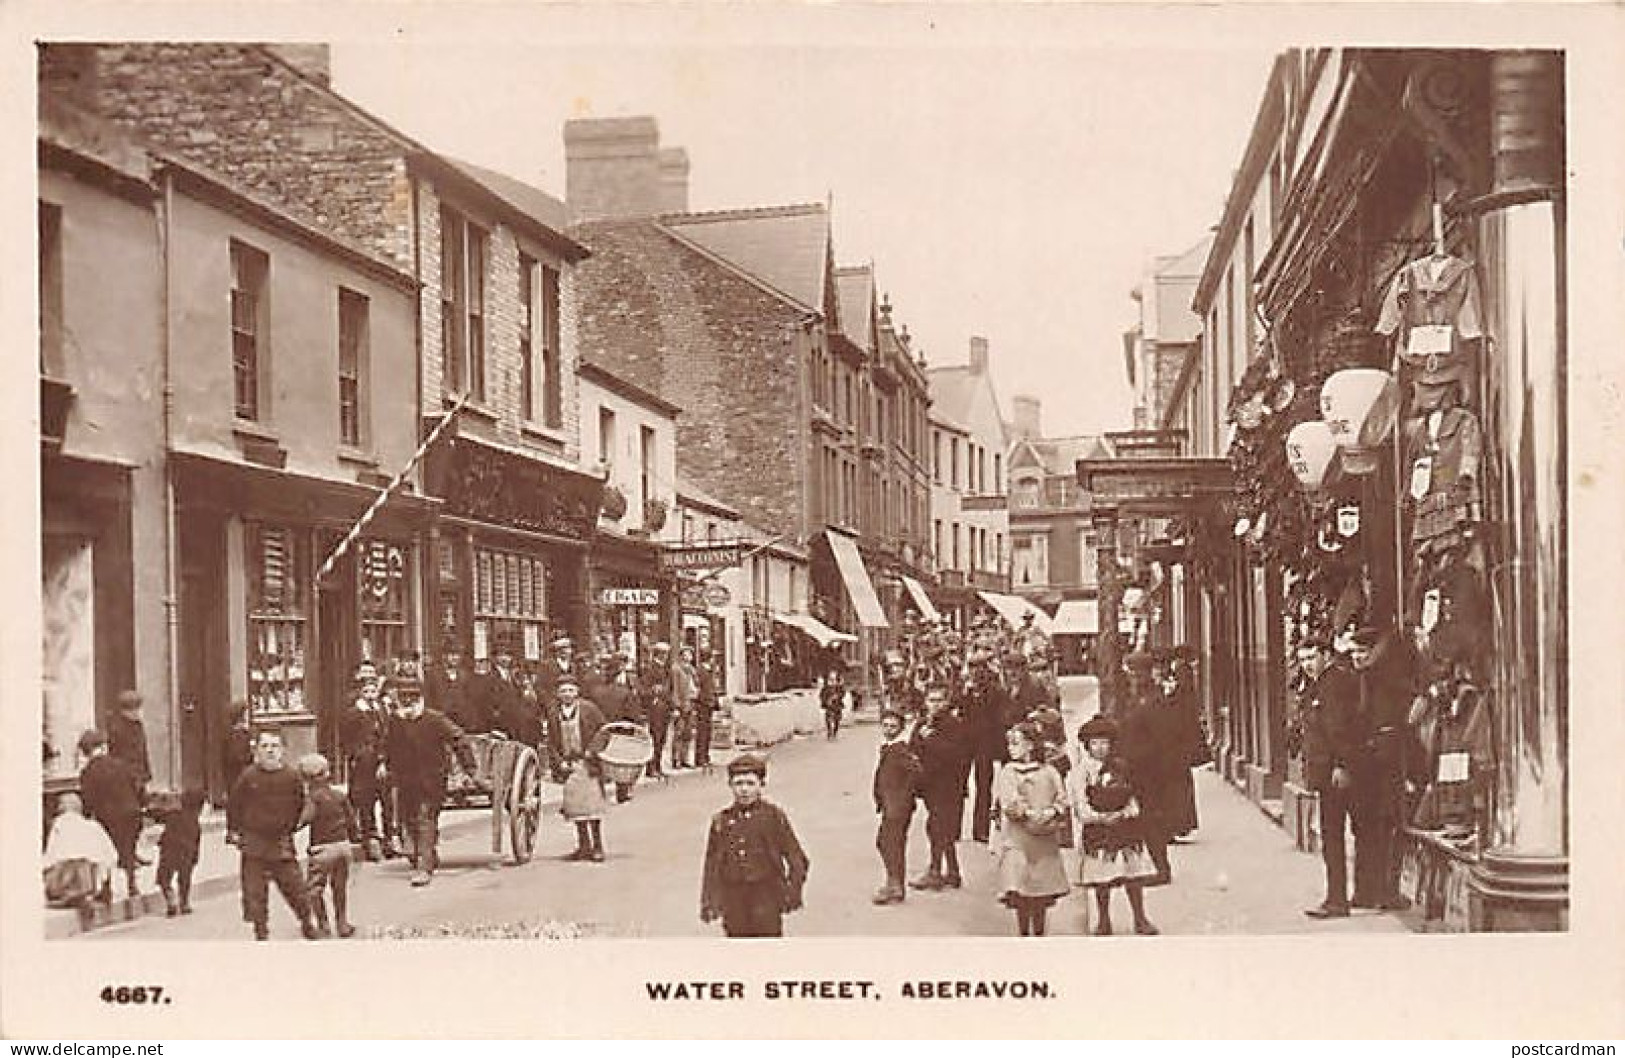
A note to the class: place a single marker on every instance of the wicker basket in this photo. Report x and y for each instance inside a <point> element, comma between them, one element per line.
<point>629,747</point>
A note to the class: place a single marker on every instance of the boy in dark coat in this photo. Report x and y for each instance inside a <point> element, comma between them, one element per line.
<point>263,812</point>
<point>897,776</point>
<point>333,831</point>
<point>177,853</point>
<point>1333,738</point>
<point>418,746</point>
<point>939,743</point>
<point>832,699</point>
<point>754,866</point>
<point>111,792</point>
<point>127,737</point>
<point>362,730</point>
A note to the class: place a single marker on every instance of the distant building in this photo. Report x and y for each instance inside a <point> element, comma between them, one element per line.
<point>803,420</point>
<point>970,521</point>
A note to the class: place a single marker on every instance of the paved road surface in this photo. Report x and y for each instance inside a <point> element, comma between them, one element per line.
<point>1240,876</point>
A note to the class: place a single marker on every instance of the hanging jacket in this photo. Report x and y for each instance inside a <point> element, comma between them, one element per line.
<point>1456,451</point>
<point>1433,292</point>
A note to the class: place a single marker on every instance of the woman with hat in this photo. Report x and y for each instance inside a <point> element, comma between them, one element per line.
<point>1112,848</point>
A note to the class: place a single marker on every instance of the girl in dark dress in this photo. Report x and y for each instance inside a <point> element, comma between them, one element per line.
<point>1112,847</point>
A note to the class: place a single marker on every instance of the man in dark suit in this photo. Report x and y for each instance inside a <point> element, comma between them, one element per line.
<point>897,775</point>
<point>448,689</point>
<point>419,743</point>
<point>939,743</point>
<point>1334,735</point>
<point>1380,659</point>
<point>983,705</point>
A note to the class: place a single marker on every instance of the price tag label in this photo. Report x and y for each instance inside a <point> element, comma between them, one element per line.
<point>1421,477</point>
<point>1453,767</point>
<point>1429,339</point>
<point>1430,610</point>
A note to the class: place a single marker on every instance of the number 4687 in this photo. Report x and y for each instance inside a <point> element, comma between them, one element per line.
<point>127,994</point>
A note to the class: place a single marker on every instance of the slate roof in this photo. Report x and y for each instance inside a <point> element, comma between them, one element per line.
<point>535,203</point>
<point>785,247</point>
<point>952,391</point>
<point>855,292</point>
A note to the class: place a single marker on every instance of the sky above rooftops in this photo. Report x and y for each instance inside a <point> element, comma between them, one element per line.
<point>1009,178</point>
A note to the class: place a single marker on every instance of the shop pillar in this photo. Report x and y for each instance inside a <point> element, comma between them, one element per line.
<point>1521,881</point>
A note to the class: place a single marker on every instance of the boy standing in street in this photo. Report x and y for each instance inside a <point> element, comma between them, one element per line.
<point>754,866</point>
<point>261,815</point>
<point>333,831</point>
<point>897,775</point>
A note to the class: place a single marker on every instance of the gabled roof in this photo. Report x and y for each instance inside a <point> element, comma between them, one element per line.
<point>688,491</point>
<point>953,395</point>
<point>1059,455</point>
<point>785,247</point>
<point>855,290</point>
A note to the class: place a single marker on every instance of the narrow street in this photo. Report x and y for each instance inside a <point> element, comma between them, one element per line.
<point>1240,875</point>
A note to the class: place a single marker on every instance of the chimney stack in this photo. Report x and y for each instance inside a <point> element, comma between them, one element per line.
<point>315,61</point>
<point>673,180</point>
<point>614,168</point>
<point>1027,415</point>
<point>978,356</point>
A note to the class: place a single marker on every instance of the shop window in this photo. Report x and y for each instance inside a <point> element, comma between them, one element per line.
<point>606,437</point>
<point>249,271</point>
<point>383,599</point>
<point>68,673</point>
<point>353,337</point>
<point>510,604</point>
<point>277,562</point>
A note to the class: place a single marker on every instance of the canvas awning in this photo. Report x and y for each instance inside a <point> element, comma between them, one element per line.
<point>1013,608</point>
<point>858,585</point>
<point>916,591</point>
<point>821,633</point>
<point>1077,617</point>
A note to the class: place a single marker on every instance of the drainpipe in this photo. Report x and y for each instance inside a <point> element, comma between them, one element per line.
<point>171,550</point>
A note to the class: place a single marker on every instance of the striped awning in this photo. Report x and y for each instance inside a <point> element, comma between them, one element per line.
<point>1077,617</point>
<point>916,591</point>
<point>1014,608</point>
<point>821,633</point>
<point>856,578</point>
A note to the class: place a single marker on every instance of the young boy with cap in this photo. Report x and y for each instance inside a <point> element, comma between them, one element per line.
<point>333,833</point>
<point>754,866</point>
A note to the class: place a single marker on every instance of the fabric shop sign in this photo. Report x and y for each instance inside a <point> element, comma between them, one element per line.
<point>629,597</point>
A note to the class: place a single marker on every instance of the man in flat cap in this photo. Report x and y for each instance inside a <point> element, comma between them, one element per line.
<point>754,866</point>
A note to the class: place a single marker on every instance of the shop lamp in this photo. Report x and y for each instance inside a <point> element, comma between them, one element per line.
<point>1358,404</point>
<point>1309,450</point>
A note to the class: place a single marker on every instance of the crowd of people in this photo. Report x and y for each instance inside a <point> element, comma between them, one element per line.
<point>976,716</point>
<point>969,719</point>
<point>403,739</point>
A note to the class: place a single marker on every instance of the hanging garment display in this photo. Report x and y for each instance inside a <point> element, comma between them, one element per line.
<point>1444,451</point>
<point>1432,304</point>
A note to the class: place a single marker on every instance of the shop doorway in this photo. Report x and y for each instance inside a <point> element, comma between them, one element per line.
<point>204,683</point>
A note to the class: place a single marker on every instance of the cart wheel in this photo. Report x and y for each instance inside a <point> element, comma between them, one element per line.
<point>525,804</point>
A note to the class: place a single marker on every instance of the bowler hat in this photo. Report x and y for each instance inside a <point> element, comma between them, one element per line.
<point>748,764</point>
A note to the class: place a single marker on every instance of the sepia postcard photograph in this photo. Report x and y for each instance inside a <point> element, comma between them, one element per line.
<point>813,520</point>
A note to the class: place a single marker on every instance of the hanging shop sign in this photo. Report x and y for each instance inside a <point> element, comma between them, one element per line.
<point>717,595</point>
<point>713,556</point>
<point>629,597</point>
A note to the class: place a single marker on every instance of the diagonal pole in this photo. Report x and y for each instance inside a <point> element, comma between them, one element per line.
<point>382,498</point>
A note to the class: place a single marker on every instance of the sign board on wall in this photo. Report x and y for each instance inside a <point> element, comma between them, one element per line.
<point>629,597</point>
<point>720,556</point>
